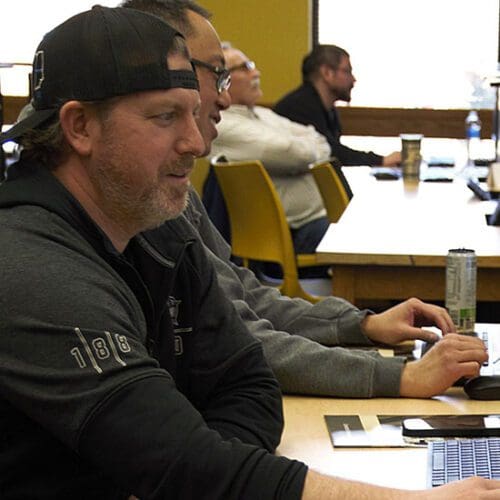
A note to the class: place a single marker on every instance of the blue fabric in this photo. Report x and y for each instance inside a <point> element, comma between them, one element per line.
<point>213,199</point>
<point>305,240</point>
<point>307,237</point>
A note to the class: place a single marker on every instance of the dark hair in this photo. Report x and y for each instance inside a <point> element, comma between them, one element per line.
<point>330,55</point>
<point>174,12</point>
<point>47,145</point>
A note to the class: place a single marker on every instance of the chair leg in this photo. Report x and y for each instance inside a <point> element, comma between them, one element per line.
<point>294,289</point>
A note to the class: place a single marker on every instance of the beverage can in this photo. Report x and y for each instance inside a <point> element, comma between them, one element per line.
<point>461,276</point>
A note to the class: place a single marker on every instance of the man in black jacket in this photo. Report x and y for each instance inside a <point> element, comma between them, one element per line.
<point>123,368</point>
<point>327,77</point>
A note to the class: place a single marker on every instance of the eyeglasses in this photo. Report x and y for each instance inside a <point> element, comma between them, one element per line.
<point>246,65</point>
<point>223,75</point>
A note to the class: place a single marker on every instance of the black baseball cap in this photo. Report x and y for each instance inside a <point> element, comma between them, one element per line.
<point>101,53</point>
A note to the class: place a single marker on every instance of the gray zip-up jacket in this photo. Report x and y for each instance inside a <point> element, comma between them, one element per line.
<point>302,342</point>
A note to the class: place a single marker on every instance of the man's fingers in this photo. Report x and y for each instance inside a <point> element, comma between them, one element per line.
<point>462,342</point>
<point>426,335</point>
<point>469,369</point>
<point>455,349</point>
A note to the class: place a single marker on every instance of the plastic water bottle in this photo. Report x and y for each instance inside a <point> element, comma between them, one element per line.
<point>473,136</point>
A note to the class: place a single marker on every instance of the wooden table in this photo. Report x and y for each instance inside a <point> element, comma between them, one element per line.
<point>306,438</point>
<point>393,238</point>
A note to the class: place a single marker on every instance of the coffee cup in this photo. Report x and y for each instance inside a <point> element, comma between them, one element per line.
<point>410,155</point>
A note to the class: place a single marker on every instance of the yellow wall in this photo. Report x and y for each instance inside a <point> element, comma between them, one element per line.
<point>273,33</point>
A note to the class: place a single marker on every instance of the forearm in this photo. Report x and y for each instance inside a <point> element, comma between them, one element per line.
<point>281,152</point>
<point>331,322</point>
<point>291,157</point>
<point>348,156</point>
<point>289,147</point>
<point>336,371</point>
<point>321,487</point>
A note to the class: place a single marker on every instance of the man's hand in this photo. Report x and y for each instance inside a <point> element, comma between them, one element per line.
<point>392,160</point>
<point>404,322</point>
<point>453,357</point>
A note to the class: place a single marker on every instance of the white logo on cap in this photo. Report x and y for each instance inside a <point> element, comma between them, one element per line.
<point>38,70</point>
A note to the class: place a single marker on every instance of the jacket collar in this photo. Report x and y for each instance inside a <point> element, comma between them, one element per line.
<point>32,184</point>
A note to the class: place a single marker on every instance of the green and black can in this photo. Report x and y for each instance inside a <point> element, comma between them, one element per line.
<point>461,277</point>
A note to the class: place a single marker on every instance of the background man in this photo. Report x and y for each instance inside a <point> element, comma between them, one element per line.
<point>327,77</point>
<point>292,330</point>
<point>286,149</point>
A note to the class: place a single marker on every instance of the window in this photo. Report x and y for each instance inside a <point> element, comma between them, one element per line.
<point>425,54</point>
<point>23,24</point>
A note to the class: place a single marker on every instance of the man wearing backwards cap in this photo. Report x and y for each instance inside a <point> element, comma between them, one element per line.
<point>123,368</point>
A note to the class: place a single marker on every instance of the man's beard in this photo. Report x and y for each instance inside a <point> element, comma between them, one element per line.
<point>344,95</point>
<point>136,207</point>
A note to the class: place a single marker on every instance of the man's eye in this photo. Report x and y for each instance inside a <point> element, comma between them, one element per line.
<point>166,116</point>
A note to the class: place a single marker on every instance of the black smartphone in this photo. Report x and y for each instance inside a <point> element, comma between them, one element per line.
<point>440,426</point>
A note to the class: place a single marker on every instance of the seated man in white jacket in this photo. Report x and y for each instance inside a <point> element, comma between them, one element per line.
<point>286,148</point>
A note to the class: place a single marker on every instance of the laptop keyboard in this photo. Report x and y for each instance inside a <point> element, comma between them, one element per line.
<point>454,459</point>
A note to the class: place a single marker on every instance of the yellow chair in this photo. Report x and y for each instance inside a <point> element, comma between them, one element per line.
<point>259,229</point>
<point>199,174</point>
<point>334,190</point>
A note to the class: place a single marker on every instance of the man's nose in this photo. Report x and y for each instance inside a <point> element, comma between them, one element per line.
<point>191,141</point>
<point>224,99</point>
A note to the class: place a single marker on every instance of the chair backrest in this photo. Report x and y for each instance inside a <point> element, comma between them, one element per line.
<point>199,174</point>
<point>333,188</point>
<point>259,229</point>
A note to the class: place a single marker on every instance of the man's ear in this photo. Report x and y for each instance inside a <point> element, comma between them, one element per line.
<point>75,118</point>
<point>324,71</point>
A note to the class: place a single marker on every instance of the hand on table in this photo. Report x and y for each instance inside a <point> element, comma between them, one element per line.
<point>392,160</point>
<point>404,321</point>
<point>451,358</point>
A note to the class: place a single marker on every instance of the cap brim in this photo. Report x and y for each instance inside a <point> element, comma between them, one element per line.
<point>30,122</point>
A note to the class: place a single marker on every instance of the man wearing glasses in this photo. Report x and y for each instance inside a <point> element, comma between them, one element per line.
<point>327,78</point>
<point>286,149</point>
<point>295,334</point>
<point>333,320</point>
<point>222,101</point>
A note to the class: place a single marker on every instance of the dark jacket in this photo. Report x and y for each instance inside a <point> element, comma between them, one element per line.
<point>304,105</point>
<point>125,373</point>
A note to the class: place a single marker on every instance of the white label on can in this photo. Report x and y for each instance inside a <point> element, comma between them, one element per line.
<point>461,290</point>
